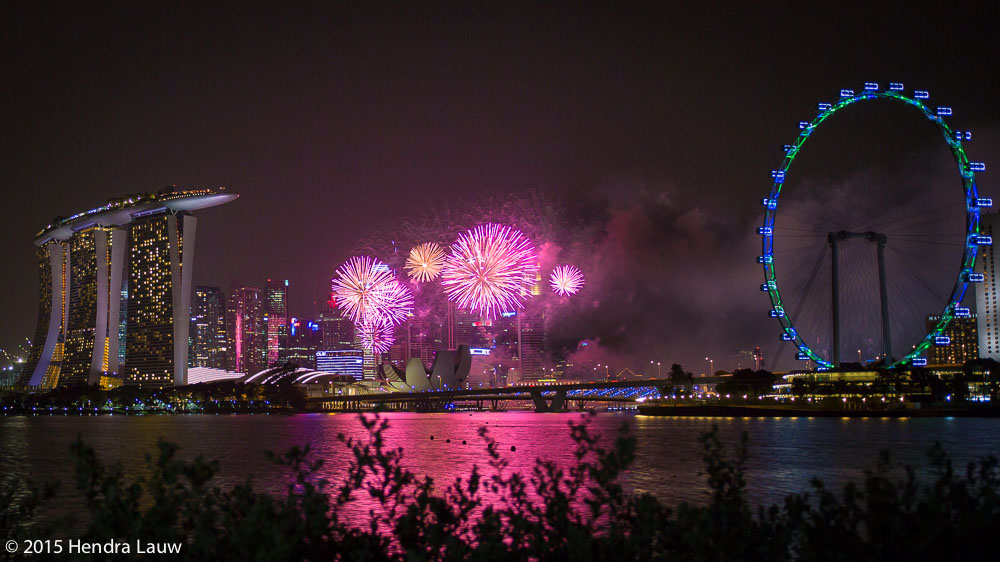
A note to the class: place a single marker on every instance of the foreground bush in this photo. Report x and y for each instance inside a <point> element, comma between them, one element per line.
<point>576,513</point>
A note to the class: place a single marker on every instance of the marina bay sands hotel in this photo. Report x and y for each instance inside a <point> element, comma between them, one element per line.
<point>115,286</point>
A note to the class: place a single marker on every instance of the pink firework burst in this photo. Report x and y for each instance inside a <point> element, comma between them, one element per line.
<point>376,335</point>
<point>425,262</point>
<point>491,269</point>
<point>366,289</point>
<point>566,280</point>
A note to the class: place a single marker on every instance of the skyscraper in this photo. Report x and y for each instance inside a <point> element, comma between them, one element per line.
<point>987,308</point>
<point>114,291</point>
<point>247,332</point>
<point>161,258</point>
<point>336,329</point>
<point>276,317</point>
<point>208,329</point>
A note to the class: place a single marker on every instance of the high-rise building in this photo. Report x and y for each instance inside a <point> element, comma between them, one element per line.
<point>115,286</point>
<point>987,309</point>
<point>337,330</point>
<point>159,300</point>
<point>247,332</point>
<point>208,329</point>
<point>304,338</point>
<point>533,344</point>
<point>276,318</point>
<point>964,341</point>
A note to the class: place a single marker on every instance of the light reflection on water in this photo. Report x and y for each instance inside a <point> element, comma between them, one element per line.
<point>785,453</point>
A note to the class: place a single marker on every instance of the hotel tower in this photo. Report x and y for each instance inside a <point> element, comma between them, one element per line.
<point>115,291</point>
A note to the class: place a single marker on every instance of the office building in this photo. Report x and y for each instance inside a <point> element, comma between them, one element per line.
<point>208,329</point>
<point>987,309</point>
<point>349,362</point>
<point>247,332</point>
<point>276,319</point>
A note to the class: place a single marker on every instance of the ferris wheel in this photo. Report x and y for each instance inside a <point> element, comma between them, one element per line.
<point>858,232</point>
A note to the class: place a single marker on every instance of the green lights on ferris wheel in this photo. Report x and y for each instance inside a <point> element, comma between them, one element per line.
<point>967,171</point>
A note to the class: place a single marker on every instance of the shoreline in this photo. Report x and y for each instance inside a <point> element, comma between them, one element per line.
<point>727,411</point>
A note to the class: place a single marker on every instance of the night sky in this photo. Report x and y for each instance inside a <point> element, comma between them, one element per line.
<point>333,121</point>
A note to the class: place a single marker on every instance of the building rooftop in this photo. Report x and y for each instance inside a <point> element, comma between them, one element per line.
<point>123,210</point>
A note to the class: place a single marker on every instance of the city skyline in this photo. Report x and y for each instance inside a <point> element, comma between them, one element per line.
<point>340,131</point>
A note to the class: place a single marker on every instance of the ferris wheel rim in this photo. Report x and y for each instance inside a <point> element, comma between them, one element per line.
<point>973,203</point>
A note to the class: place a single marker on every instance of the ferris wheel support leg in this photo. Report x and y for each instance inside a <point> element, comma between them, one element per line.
<point>884,293</point>
<point>835,269</point>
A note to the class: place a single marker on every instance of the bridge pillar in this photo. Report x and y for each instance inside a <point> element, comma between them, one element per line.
<point>540,405</point>
<point>557,404</point>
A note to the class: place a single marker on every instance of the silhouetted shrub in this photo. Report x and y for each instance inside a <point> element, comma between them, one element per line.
<point>579,512</point>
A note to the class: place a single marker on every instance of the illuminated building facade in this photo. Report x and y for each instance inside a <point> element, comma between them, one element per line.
<point>208,329</point>
<point>247,332</point>
<point>276,319</point>
<point>114,294</point>
<point>964,338</point>
<point>987,309</point>
<point>348,362</point>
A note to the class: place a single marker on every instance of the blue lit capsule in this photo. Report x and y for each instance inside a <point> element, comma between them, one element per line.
<point>921,94</point>
<point>896,86</point>
<point>846,93</point>
<point>776,313</point>
<point>975,277</point>
<point>825,106</point>
<point>871,86</point>
<point>977,166</point>
<point>942,340</point>
<point>764,230</point>
<point>770,203</point>
<point>786,148</point>
<point>801,356</point>
<point>920,362</point>
<point>803,124</point>
<point>765,259</point>
<point>962,312</point>
<point>944,111</point>
<point>787,337</point>
<point>984,202</point>
<point>769,286</point>
<point>982,240</point>
<point>778,175</point>
<point>963,135</point>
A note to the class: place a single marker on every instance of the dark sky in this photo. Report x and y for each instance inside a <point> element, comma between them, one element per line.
<point>330,121</point>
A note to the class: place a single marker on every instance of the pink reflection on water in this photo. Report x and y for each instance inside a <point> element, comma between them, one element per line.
<point>456,448</point>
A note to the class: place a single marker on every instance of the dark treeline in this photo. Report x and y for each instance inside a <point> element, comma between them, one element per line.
<point>211,397</point>
<point>578,512</point>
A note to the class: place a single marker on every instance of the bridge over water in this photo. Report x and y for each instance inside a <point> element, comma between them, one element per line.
<point>545,398</point>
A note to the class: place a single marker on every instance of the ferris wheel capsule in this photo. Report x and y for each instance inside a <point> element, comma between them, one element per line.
<point>846,93</point>
<point>871,86</point>
<point>922,95</point>
<point>896,86</point>
<point>977,166</point>
<point>919,362</point>
<point>984,202</point>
